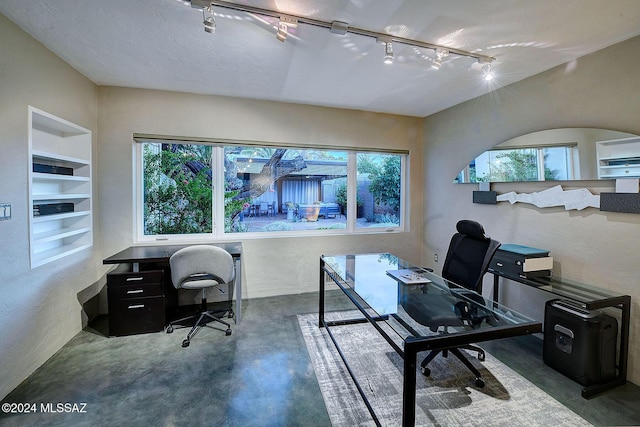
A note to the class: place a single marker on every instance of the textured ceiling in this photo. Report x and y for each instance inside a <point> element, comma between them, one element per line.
<point>160,44</point>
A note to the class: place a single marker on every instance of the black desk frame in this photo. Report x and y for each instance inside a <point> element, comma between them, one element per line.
<point>136,255</point>
<point>412,345</point>
<point>585,297</point>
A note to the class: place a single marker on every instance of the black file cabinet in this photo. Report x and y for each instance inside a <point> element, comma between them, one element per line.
<point>580,343</point>
<point>138,301</point>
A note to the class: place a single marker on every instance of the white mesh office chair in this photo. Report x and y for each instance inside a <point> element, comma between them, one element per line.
<point>201,267</point>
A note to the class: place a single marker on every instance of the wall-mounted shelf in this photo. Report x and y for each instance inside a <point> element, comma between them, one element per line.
<point>60,190</point>
<point>618,158</point>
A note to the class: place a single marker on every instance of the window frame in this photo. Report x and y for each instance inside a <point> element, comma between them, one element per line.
<point>218,233</point>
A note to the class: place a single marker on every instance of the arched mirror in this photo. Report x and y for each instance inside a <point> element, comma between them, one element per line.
<point>558,155</point>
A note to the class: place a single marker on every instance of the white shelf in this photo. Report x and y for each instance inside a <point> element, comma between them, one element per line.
<point>48,256</point>
<point>56,142</point>
<point>57,217</point>
<point>618,158</point>
<point>57,178</point>
<point>51,157</point>
<point>59,234</point>
<point>60,196</point>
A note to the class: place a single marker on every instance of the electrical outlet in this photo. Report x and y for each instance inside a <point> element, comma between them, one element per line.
<point>435,257</point>
<point>5,211</point>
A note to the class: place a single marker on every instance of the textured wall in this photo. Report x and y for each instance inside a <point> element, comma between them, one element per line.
<point>271,266</point>
<point>601,248</point>
<point>40,309</point>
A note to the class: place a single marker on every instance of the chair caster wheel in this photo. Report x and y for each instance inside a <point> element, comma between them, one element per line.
<point>481,357</point>
<point>230,315</point>
<point>227,332</point>
<point>425,371</point>
<point>185,343</point>
<point>169,329</point>
<point>479,382</point>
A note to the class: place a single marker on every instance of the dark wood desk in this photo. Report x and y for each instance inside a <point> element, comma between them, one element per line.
<point>136,255</point>
<point>590,298</point>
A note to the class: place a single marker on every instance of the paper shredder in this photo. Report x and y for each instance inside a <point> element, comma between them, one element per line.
<point>579,343</point>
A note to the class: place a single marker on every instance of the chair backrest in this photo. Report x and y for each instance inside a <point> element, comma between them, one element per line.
<point>469,254</point>
<point>201,260</point>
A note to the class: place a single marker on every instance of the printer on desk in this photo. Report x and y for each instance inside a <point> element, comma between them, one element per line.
<point>521,261</point>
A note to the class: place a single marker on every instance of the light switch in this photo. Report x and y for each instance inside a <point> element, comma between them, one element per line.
<point>5,211</point>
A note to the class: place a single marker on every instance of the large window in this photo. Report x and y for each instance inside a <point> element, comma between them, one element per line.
<point>520,164</point>
<point>193,190</point>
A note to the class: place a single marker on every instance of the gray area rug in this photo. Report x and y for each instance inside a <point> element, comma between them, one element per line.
<point>446,398</point>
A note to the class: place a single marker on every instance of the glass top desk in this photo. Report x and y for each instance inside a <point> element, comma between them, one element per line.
<point>403,302</point>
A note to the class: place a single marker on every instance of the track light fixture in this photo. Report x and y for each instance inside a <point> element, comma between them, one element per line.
<point>284,24</point>
<point>283,31</point>
<point>209,20</point>
<point>437,62</point>
<point>388,53</point>
<point>287,22</point>
<point>486,71</point>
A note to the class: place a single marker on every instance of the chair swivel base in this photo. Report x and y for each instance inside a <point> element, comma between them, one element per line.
<point>206,315</point>
<point>479,382</point>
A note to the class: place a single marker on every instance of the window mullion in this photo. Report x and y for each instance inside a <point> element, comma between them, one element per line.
<point>217,180</point>
<point>540,152</point>
<point>352,189</point>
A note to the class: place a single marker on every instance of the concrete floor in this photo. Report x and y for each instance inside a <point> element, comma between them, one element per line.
<point>261,375</point>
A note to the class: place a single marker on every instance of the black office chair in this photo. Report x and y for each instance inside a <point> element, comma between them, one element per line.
<point>201,267</point>
<point>468,257</point>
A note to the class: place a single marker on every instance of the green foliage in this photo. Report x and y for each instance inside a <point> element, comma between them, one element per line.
<point>336,226</point>
<point>341,196</point>
<point>385,179</point>
<point>514,166</point>
<point>232,209</point>
<point>385,218</point>
<point>176,199</point>
<point>278,226</point>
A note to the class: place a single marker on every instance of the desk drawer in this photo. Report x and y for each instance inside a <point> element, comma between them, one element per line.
<point>136,316</point>
<point>131,278</point>
<point>134,291</point>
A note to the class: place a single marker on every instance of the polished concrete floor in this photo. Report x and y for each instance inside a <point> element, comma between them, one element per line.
<point>259,376</point>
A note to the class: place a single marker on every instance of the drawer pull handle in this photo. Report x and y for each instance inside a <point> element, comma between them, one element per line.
<point>134,279</point>
<point>499,264</point>
<point>136,306</point>
<point>136,291</point>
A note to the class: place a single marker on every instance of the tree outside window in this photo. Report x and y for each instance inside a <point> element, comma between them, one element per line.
<point>266,189</point>
<point>177,189</point>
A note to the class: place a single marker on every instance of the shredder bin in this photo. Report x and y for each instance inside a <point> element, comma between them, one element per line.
<point>579,343</point>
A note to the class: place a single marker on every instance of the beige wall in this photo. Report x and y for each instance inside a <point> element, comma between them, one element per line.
<point>600,90</point>
<point>40,309</point>
<point>271,266</point>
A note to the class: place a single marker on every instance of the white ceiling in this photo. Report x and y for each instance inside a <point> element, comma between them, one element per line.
<point>161,44</point>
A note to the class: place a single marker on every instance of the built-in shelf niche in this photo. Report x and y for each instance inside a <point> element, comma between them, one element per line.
<point>60,188</point>
<point>618,158</point>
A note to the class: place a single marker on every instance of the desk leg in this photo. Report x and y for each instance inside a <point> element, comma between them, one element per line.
<point>321,296</point>
<point>409,385</point>
<point>624,339</point>
<point>496,287</point>
<point>238,311</point>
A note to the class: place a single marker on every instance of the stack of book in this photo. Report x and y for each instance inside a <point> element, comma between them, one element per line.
<point>521,261</point>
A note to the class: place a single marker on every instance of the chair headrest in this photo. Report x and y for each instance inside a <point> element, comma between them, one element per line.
<point>471,228</point>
